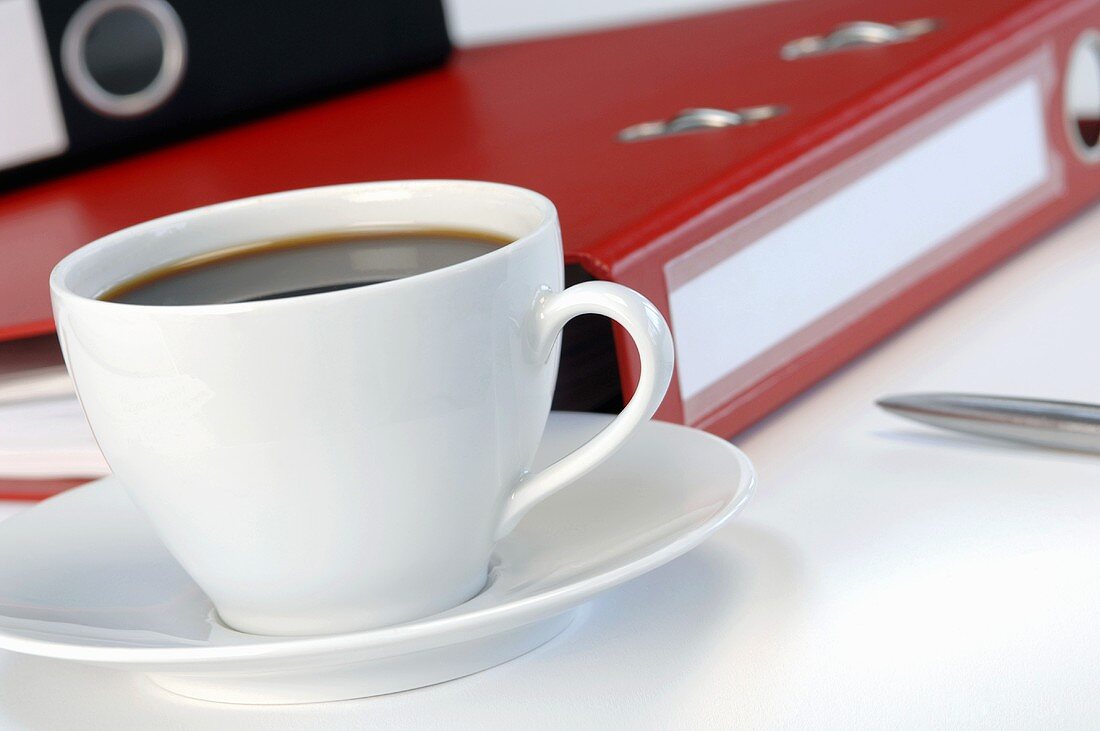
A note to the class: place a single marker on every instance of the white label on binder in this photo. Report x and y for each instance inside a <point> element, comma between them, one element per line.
<point>31,124</point>
<point>856,237</point>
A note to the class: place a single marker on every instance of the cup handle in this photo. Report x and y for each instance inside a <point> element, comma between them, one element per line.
<point>650,332</point>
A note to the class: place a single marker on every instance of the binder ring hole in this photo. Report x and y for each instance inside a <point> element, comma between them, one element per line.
<point>698,119</point>
<point>123,58</point>
<point>1081,97</point>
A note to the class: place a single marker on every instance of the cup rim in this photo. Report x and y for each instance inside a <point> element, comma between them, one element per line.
<point>60,289</point>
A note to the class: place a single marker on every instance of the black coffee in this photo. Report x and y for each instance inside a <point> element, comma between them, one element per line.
<point>301,265</point>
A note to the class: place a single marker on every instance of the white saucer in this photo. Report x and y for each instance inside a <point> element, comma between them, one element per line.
<point>83,577</point>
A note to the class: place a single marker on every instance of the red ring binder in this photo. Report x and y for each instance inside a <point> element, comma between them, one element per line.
<point>779,250</point>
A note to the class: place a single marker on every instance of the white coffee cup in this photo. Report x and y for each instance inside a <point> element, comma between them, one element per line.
<point>345,460</point>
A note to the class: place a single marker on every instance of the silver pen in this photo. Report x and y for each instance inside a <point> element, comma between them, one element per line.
<point>1057,424</point>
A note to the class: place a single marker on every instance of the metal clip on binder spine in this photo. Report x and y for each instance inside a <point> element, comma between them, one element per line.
<point>692,120</point>
<point>861,33</point>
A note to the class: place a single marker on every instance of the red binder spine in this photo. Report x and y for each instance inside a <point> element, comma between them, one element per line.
<point>781,272</point>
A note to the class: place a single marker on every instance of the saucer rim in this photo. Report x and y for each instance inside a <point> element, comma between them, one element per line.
<point>518,612</point>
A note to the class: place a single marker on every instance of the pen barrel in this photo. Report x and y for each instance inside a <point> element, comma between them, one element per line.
<point>1056,424</point>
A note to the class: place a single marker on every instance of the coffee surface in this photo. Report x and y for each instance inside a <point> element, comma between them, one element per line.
<point>301,265</point>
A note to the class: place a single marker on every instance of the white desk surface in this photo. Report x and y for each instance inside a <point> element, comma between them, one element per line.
<point>884,576</point>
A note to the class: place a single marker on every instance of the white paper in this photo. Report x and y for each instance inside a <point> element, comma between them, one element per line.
<point>47,439</point>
